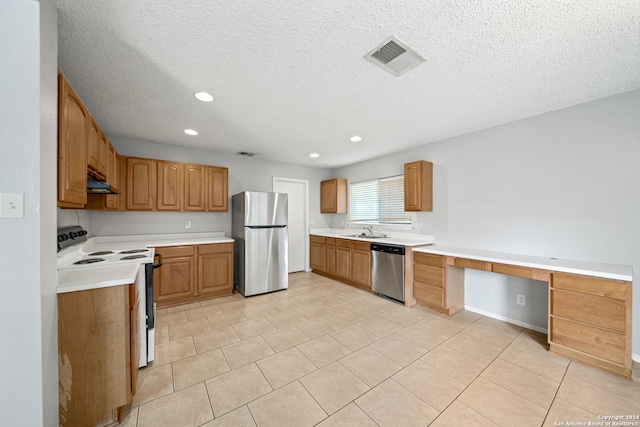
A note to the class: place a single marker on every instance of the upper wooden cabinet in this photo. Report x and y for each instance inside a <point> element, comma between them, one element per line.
<point>170,192</point>
<point>141,184</point>
<point>112,201</point>
<point>217,189</point>
<point>97,152</point>
<point>73,120</point>
<point>194,187</point>
<point>333,196</point>
<point>418,186</point>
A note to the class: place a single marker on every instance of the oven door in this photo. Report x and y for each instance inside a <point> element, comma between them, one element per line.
<point>150,310</point>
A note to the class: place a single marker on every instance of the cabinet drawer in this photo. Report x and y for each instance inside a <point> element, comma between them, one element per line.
<point>215,248</point>
<point>317,239</point>
<point>471,263</point>
<point>592,340</point>
<point>513,270</point>
<point>590,285</point>
<point>361,246</point>
<point>429,259</point>
<point>176,251</point>
<point>431,275</point>
<point>331,240</point>
<point>598,311</point>
<point>343,243</point>
<point>429,294</point>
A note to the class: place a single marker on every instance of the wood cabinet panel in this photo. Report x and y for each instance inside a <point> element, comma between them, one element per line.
<point>194,187</point>
<point>590,285</point>
<point>428,293</point>
<point>215,272</point>
<point>598,311</point>
<point>429,259</point>
<point>112,201</point>
<point>92,147</point>
<point>343,261</point>
<point>608,345</point>
<point>427,274</point>
<point>317,256</point>
<point>330,257</point>
<point>103,148</point>
<point>176,278</point>
<point>72,147</point>
<point>170,186</point>
<point>317,239</point>
<point>217,189</point>
<point>94,355</point>
<point>472,263</point>
<point>333,196</point>
<point>215,248</point>
<point>512,270</point>
<point>418,186</point>
<point>361,266</point>
<point>141,184</point>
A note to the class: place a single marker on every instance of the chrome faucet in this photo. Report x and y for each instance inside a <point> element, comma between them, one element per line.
<point>369,228</point>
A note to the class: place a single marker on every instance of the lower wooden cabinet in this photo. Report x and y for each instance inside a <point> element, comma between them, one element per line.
<point>193,272</point>
<point>346,260</point>
<point>590,320</point>
<point>97,354</point>
<point>436,285</point>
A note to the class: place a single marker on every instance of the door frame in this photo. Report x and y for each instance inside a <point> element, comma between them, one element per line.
<point>305,218</point>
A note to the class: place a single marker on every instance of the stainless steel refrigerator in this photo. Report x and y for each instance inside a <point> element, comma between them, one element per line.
<point>259,229</point>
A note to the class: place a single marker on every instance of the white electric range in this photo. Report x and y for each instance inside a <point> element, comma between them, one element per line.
<point>75,252</point>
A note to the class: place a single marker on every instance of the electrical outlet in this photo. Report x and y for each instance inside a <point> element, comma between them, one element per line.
<point>187,224</point>
<point>521,299</point>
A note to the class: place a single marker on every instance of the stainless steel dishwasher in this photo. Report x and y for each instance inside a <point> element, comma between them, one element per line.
<point>387,270</point>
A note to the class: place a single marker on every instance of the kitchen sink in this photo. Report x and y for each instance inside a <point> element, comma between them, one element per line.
<point>365,236</point>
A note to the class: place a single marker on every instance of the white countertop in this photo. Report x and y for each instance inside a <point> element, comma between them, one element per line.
<point>96,277</point>
<point>121,274</point>
<point>402,239</point>
<point>607,271</point>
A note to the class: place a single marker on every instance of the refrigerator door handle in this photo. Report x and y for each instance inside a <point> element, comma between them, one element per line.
<point>265,226</point>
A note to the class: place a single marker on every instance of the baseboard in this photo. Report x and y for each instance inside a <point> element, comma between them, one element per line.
<point>508,320</point>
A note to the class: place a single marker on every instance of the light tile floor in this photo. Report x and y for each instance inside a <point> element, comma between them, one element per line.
<point>327,354</point>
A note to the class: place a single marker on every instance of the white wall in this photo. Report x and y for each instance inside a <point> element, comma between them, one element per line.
<point>28,354</point>
<point>244,174</point>
<point>564,184</point>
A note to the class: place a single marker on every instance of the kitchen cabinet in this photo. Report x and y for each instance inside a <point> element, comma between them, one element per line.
<point>317,253</point>
<point>73,120</point>
<point>590,320</point>
<point>361,263</point>
<point>97,354</point>
<point>215,269</point>
<point>141,184</point>
<point>175,280</point>
<point>217,189</point>
<point>418,186</point>
<point>330,255</point>
<point>434,284</point>
<point>343,258</point>
<point>193,272</point>
<point>112,201</point>
<point>333,196</point>
<point>170,187</point>
<point>194,187</point>
<point>97,151</point>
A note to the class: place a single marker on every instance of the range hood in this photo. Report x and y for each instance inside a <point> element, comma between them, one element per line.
<point>98,187</point>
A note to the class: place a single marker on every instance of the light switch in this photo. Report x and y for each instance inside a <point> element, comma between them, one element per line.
<point>11,205</point>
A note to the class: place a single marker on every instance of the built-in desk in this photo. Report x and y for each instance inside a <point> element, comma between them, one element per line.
<point>589,303</point>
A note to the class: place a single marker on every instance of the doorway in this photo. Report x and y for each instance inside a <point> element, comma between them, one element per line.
<point>298,191</point>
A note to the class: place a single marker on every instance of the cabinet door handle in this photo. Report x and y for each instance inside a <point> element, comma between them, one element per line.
<point>159,264</point>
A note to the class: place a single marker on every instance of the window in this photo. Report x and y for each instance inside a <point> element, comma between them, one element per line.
<point>379,201</point>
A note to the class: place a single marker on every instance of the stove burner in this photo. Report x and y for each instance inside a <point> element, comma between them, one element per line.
<point>134,251</point>
<point>132,256</point>
<point>101,253</point>
<point>89,261</point>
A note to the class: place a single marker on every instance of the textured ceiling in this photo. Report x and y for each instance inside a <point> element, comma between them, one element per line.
<point>289,77</point>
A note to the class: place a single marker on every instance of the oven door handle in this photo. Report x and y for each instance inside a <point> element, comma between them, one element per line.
<point>159,264</point>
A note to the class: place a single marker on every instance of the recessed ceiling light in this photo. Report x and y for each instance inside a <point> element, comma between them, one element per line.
<point>314,155</point>
<point>356,138</point>
<point>204,96</point>
<point>190,132</point>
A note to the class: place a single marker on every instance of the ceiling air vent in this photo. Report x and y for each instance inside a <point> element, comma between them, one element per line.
<point>394,56</point>
<point>245,153</point>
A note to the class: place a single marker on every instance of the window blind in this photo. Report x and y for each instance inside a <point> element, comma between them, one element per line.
<point>379,201</point>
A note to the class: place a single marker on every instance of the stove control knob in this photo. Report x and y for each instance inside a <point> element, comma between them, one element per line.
<point>73,235</point>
